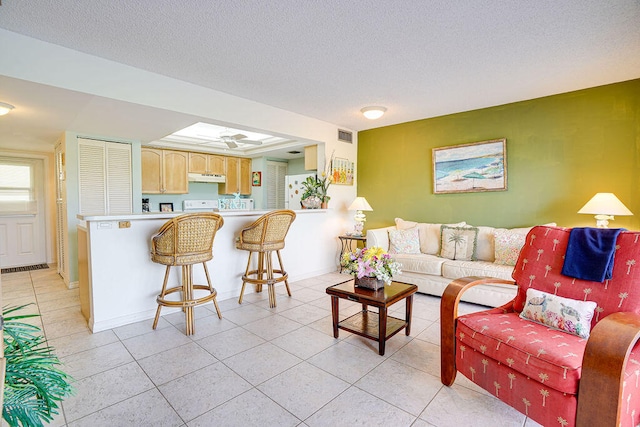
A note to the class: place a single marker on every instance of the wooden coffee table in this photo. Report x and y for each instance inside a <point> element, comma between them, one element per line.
<point>376,326</point>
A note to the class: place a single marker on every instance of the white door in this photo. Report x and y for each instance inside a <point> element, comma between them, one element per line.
<point>22,222</point>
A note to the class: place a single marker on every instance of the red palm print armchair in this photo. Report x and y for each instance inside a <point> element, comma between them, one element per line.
<point>555,377</point>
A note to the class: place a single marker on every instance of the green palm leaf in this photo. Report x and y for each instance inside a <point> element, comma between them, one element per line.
<point>33,383</point>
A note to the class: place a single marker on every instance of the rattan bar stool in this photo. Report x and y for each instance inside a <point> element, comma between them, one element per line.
<point>183,241</point>
<point>265,236</point>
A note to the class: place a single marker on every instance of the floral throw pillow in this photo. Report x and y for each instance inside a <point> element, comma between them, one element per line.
<point>507,245</point>
<point>459,243</point>
<point>565,314</point>
<point>404,241</point>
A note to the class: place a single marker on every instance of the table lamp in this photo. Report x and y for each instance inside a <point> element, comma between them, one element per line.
<point>604,206</point>
<point>359,204</point>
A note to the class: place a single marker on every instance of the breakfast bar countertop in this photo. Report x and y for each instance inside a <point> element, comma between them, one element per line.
<point>168,215</point>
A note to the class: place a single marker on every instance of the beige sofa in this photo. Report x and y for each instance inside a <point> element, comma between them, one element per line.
<point>432,273</point>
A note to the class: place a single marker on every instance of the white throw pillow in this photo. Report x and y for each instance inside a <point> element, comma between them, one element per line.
<point>565,314</point>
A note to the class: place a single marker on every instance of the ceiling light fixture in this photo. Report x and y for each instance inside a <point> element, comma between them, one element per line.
<point>373,113</point>
<point>5,108</point>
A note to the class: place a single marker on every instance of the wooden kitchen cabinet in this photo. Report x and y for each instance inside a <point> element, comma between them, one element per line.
<point>311,158</point>
<point>206,163</point>
<point>238,177</point>
<point>164,171</point>
<point>245,176</point>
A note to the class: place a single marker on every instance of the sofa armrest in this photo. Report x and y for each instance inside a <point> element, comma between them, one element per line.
<point>379,237</point>
<point>605,357</point>
<point>449,314</point>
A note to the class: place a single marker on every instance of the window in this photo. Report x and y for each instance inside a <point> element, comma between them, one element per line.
<point>16,182</point>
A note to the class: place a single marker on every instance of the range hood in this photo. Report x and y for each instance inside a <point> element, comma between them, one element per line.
<point>206,177</point>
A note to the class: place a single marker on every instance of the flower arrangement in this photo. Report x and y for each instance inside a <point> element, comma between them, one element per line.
<point>371,262</point>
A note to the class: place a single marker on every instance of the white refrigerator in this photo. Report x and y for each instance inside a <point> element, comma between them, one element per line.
<point>294,190</point>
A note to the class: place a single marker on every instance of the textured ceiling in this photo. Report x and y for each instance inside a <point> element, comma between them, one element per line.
<point>327,59</point>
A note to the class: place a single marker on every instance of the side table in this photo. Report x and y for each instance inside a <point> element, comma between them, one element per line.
<point>376,326</point>
<point>346,242</point>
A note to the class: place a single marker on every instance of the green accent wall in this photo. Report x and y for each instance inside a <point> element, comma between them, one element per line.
<point>561,150</point>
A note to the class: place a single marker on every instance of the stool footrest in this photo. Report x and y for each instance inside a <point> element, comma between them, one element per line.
<point>187,303</point>
<point>256,281</point>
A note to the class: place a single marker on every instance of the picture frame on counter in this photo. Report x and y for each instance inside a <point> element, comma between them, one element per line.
<point>166,207</point>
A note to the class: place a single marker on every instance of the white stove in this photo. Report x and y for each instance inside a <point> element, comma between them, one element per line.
<point>199,206</point>
<point>217,205</point>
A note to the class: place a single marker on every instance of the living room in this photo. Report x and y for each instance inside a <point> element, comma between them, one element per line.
<point>570,132</point>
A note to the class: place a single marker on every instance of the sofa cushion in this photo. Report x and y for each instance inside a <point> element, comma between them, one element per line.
<point>549,356</point>
<point>404,241</point>
<point>565,314</point>
<point>456,269</point>
<point>420,263</point>
<point>459,242</point>
<point>429,234</point>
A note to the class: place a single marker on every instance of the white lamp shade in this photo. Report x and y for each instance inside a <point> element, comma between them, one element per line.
<point>360,204</point>
<point>605,204</point>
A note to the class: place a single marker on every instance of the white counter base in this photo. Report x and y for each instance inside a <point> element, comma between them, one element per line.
<point>122,282</point>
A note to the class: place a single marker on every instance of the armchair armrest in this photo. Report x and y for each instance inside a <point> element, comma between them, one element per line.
<point>603,366</point>
<point>379,237</point>
<point>449,314</point>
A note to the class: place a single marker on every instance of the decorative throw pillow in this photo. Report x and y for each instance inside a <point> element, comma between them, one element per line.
<point>459,243</point>
<point>565,314</point>
<point>508,244</point>
<point>404,241</point>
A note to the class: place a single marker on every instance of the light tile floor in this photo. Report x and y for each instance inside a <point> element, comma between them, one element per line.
<point>257,366</point>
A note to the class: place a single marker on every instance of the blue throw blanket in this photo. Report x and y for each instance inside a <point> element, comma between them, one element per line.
<point>590,253</point>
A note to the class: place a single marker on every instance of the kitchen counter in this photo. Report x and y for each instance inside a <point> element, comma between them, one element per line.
<point>167,215</point>
<point>119,283</point>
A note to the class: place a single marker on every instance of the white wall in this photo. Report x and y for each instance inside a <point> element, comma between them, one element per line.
<point>46,63</point>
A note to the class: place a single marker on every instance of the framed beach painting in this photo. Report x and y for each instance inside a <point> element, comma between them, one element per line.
<point>470,168</point>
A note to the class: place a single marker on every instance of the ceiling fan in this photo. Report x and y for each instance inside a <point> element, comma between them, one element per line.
<point>233,140</point>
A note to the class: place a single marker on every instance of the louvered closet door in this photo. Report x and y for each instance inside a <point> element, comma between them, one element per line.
<point>275,184</point>
<point>104,177</point>
<point>92,177</point>
<point>119,191</point>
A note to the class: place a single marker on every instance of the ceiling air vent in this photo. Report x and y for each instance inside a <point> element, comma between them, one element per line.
<point>345,136</point>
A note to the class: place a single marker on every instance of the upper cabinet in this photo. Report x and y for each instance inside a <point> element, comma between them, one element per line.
<point>311,157</point>
<point>164,171</point>
<point>206,163</point>
<point>238,176</point>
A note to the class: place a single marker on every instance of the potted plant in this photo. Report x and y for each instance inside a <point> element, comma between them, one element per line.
<point>372,267</point>
<point>33,384</point>
<point>310,197</point>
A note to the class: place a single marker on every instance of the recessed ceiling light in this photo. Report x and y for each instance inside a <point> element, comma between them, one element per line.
<point>373,113</point>
<point>5,108</point>
<point>294,152</point>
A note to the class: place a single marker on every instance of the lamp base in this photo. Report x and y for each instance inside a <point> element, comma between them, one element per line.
<point>602,221</point>
<point>358,228</point>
